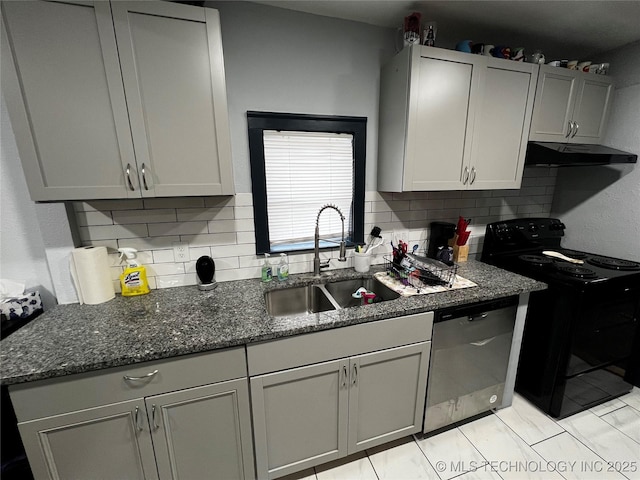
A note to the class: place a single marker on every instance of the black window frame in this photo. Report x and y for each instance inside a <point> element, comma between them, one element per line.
<point>259,121</point>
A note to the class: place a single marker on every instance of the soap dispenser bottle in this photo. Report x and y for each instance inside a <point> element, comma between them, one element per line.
<point>267,272</point>
<point>133,280</point>
<point>283,268</point>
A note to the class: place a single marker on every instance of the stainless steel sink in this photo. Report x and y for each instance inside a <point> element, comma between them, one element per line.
<point>342,291</point>
<point>324,297</point>
<point>297,300</point>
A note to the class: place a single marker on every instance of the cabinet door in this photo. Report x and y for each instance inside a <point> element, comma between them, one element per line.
<point>62,83</point>
<point>386,395</point>
<point>554,103</point>
<point>592,107</point>
<point>441,116</point>
<point>300,417</point>
<point>173,72</point>
<point>106,442</point>
<point>203,432</point>
<point>502,125</point>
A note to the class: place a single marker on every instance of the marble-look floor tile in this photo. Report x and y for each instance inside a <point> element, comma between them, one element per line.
<point>609,443</point>
<point>451,452</point>
<point>483,473</point>
<point>573,460</point>
<point>354,467</point>
<point>607,407</point>
<point>632,398</point>
<point>528,422</point>
<point>507,453</point>
<point>627,420</point>
<point>401,461</point>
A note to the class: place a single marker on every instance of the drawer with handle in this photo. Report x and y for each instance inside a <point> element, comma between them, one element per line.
<point>86,390</point>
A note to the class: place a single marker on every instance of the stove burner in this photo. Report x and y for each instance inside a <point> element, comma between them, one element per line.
<point>572,254</point>
<point>537,260</point>
<point>575,271</point>
<point>613,263</point>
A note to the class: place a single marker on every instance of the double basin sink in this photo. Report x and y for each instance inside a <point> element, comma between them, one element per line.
<point>323,297</point>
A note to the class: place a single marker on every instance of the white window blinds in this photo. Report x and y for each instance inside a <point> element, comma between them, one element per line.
<point>304,171</point>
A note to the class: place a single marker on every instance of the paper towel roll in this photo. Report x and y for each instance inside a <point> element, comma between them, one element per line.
<point>90,273</point>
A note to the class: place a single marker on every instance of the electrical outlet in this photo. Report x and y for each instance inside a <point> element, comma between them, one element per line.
<point>180,252</point>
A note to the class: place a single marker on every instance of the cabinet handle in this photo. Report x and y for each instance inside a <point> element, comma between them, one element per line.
<point>569,130</point>
<point>143,377</point>
<point>344,375</point>
<point>137,419</point>
<point>129,177</point>
<point>144,178</point>
<point>577,126</point>
<point>153,417</point>
<point>355,374</point>
<point>465,176</point>
<point>473,175</point>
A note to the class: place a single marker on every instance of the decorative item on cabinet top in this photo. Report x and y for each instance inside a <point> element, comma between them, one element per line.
<point>82,126</point>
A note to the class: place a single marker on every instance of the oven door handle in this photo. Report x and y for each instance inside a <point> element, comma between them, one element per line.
<point>482,343</point>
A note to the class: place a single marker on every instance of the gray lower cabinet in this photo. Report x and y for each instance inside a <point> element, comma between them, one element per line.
<point>202,432</point>
<point>157,420</point>
<point>109,442</point>
<point>116,99</point>
<point>313,414</point>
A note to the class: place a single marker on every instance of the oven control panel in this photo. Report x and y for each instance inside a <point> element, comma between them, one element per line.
<point>522,234</point>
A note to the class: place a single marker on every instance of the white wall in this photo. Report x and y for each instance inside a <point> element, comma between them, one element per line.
<point>22,251</point>
<point>601,205</point>
<point>278,60</point>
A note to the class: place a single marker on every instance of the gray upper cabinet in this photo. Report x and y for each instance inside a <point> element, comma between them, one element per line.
<point>173,71</point>
<point>453,121</point>
<point>570,106</point>
<point>98,112</point>
<point>62,84</point>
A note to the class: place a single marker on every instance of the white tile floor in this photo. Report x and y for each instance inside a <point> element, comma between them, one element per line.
<point>519,442</point>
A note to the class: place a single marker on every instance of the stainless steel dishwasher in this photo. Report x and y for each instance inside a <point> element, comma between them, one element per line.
<point>469,358</point>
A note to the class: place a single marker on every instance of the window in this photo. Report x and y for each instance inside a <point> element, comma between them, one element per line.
<point>298,164</point>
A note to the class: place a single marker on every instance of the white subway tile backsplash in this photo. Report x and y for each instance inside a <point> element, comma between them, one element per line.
<point>196,252</point>
<point>168,281</point>
<point>223,227</point>
<point>107,232</point>
<point>209,239</point>
<point>244,200</point>
<point>93,218</point>
<point>243,212</point>
<point>205,214</point>
<point>105,205</point>
<point>124,217</point>
<point>177,228</point>
<point>163,256</point>
<point>246,237</point>
<point>160,269</point>
<point>173,202</point>
<point>150,243</point>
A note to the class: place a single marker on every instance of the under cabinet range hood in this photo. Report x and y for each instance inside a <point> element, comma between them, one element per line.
<point>574,155</point>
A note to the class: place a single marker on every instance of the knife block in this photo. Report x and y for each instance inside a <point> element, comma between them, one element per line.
<point>460,253</point>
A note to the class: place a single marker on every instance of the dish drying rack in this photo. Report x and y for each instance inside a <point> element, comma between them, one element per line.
<point>420,272</point>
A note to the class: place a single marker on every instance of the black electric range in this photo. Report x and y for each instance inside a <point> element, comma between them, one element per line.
<point>581,345</point>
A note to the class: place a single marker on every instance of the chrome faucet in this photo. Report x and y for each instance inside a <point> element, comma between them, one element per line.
<point>317,265</point>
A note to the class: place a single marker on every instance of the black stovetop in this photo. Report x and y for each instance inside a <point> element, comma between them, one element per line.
<point>517,246</point>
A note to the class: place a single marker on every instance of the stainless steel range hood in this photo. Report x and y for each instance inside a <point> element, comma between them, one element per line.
<point>574,155</point>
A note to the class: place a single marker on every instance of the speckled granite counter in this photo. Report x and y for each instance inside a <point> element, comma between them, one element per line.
<point>176,321</point>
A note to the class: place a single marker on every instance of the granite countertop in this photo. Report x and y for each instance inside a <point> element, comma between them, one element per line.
<point>169,322</point>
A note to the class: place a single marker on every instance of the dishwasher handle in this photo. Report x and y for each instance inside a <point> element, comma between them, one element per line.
<point>479,316</point>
